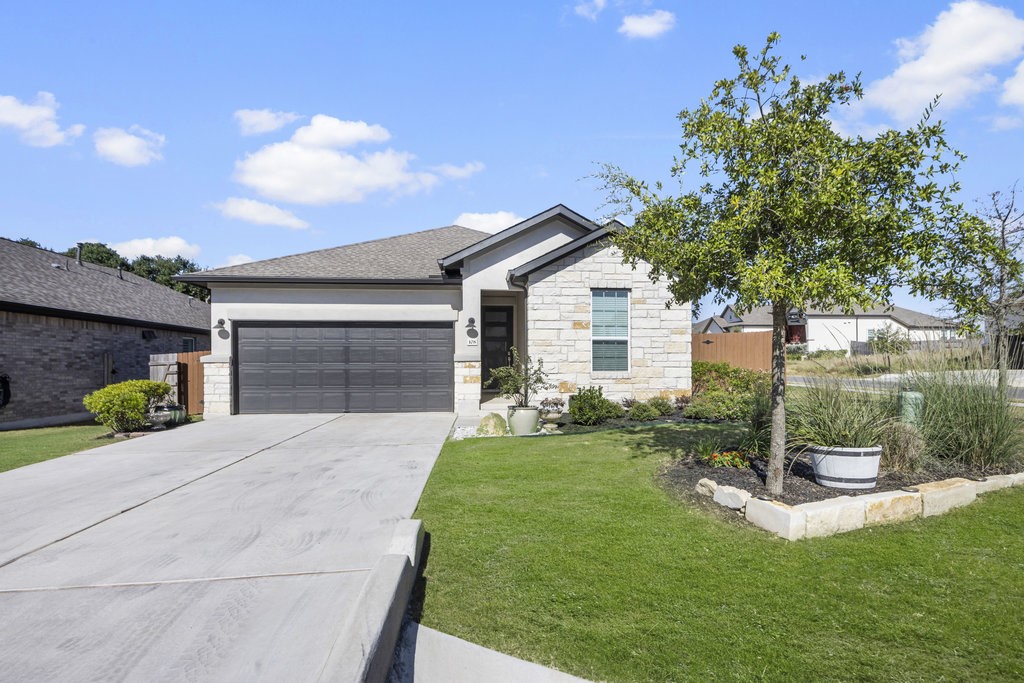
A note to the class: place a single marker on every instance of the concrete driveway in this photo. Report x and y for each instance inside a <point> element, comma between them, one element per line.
<point>227,550</point>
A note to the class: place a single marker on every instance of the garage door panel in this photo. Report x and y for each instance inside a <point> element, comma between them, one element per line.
<point>345,367</point>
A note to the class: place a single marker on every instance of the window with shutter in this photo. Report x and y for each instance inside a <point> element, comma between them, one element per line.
<point>609,328</point>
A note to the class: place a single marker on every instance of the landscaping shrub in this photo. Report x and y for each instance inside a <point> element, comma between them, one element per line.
<point>629,402</point>
<point>643,412</point>
<point>826,353</point>
<point>796,351</point>
<point>122,407</point>
<point>682,402</point>
<point>588,406</point>
<point>727,459</point>
<point>967,421</point>
<point>708,376</point>
<point>903,447</point>
<point>662,405</point>
<point>719,405</point>
<point>759,426</point>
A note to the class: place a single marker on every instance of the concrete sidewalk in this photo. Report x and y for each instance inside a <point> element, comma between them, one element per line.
<point>226,550</point>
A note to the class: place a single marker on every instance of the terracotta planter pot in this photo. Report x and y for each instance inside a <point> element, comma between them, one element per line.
<point>846,468</point>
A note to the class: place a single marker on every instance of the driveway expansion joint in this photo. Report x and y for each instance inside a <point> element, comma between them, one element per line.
<point>202,579</point>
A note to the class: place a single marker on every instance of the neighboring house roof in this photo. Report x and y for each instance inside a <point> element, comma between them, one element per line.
<point>761,316</point>
<point>45,282</point>
<point>702,326</point>
<point>410,258</point>
<point>456,258</point>
<point>559,253</point>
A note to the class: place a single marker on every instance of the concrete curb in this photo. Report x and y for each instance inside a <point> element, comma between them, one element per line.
<point>846,513</point>
<point>365,649</point>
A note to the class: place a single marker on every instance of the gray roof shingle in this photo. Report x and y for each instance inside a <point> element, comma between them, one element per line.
<point>44,279</point>
<point>412,256</point>
<point>761,316</point>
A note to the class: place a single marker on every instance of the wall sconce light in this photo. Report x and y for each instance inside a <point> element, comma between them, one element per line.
<point>219,325</point>
<point>471,332</point>
<point>221,332</point>
<point>471,322</point>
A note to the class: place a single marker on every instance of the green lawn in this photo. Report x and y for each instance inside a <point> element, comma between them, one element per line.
<point>563,550</point>
<point>26,446</point>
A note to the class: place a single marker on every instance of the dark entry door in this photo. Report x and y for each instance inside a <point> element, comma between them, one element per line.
<point>497,339</point>
<point>345,367</point>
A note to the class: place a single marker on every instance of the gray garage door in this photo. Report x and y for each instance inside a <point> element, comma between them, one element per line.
<point>349,367</point>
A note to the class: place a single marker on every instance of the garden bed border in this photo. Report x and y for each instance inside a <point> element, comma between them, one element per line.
<point>846,513</point>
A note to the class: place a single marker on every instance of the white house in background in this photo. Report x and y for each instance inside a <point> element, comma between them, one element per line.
<point>833,329</point>
<point>416,322</point>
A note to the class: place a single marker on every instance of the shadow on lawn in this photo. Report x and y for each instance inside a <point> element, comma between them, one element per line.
<point>677,441</point>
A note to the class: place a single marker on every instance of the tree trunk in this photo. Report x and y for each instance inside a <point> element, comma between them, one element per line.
<point>777,452</point>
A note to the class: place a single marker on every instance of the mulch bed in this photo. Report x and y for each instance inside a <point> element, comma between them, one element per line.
<point>681,476</point>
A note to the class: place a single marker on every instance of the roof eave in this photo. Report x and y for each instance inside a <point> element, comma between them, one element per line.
<point>16,307</point>
<point>291,280</point>
<point>455,260</point>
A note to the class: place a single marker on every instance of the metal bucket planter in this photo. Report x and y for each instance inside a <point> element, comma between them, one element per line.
<point>523,420</point>
<point>845,468</point>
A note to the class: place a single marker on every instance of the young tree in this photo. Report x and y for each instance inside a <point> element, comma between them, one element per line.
<point>789,213</point>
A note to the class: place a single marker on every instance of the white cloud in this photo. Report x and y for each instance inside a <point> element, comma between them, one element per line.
<point>236,260</point>
<point>257,121</point>
<point>327,131</point>
<point>459,172</point>
<point>488,222</point>
<point>953,56</point>
<point>252,211</point>
<point>589,9</point>
<point>37,122</point>
<point>312,168</point>
<point>1001,123</point>
<point>156,246</point>
<point>650,25</point>
<point>133,147</point>
<point>1013,88</point>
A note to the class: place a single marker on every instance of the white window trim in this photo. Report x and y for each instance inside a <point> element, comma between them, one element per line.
<point>627,338</point>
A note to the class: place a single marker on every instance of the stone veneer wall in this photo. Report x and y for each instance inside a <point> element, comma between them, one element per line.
<point>216,385</point>
<point>54,362</point>
<point>558,306</point>
<point>467,386</point>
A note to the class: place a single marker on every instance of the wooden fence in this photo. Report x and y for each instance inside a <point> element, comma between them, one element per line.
<point>751,350</point>
<point>190,381</point>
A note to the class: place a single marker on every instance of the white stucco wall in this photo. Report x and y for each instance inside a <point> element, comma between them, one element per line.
<point>558,327</point>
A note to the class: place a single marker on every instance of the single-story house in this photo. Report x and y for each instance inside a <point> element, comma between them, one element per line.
<point>834,329</point>
<point>416,322</point>
<point>69,327</point>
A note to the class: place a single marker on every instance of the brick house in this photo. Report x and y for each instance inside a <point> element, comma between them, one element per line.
<point>68,328</point>
<point>417,321</point>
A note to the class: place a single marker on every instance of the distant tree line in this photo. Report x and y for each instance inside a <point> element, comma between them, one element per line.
<point>159,269</point>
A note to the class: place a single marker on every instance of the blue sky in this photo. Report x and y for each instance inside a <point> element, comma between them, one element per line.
<point>228,132</point>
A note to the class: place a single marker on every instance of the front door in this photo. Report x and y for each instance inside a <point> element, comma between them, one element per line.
<point>497,340</point>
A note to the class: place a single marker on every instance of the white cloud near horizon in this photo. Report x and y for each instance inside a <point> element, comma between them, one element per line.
<point>259,121</point>
<point>157,246</point>
<point>589,9</point>
<point>260,213</point>
<point>314,166</point>
<point>488,222</point>
<point>650,25</point>
<point>236,260</point>
<point>36,122</point>
<point>133,147</point>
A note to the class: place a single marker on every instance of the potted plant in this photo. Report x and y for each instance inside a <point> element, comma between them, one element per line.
<point>519,381</point>
<point>841,431</point>
<point>551,408</point>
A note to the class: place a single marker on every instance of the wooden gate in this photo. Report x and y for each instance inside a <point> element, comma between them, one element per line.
<point>751,350</point>
<point>190,381</point>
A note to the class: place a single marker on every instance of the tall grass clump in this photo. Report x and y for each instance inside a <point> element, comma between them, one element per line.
<point>826,413</point>
<point>967,422</point>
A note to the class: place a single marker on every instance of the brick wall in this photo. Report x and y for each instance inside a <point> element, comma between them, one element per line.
<point>54,362</point>
<point>558,327</point>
